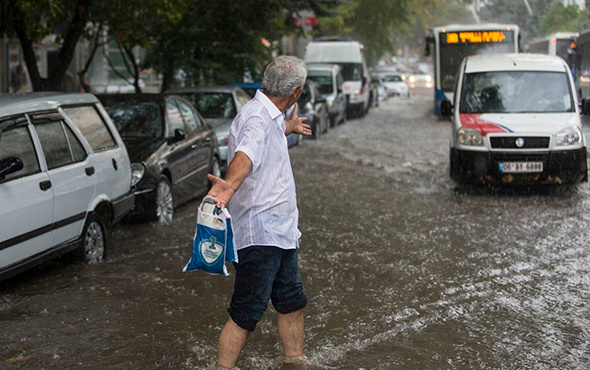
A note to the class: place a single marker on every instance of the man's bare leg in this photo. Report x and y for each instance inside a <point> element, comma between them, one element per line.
<point>231,342</point>
<point>290,328</point>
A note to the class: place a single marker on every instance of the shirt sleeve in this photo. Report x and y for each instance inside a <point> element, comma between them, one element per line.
<point>251,138</point>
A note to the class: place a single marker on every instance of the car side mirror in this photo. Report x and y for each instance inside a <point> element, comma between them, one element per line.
<point>446,108</point>
<point>10,165</point>
<point>179,135</point>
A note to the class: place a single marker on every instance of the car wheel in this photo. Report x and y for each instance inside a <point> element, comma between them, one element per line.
<point>164,201</point>
<point>315,134</point>
<point>93,247</point>
<point>344,117</point>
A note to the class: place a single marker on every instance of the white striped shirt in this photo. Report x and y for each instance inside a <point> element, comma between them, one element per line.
<point>264,208</point>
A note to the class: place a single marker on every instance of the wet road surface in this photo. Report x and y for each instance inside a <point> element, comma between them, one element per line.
<point>403,271</point>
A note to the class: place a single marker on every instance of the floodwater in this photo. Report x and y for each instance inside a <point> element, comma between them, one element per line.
<point>403,270</point>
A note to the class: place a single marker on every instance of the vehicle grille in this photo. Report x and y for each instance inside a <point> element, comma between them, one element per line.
<point>509,142</point>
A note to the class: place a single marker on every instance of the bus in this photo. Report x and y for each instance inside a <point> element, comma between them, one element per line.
<point>555,44</point>
<point>583,70</point>
<point>452,43</point>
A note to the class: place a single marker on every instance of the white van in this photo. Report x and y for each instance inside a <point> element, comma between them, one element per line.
<point>516,121</point>
<point>350,56</point>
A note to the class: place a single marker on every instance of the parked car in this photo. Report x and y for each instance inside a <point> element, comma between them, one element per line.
<point>516,120</point>
<point>382,92</point>
<point>395,84</point>
<point>329,81</point>
<point>219,105</point>
<point>64,176</point>
<point>313,106</point>
<point>171,148</point>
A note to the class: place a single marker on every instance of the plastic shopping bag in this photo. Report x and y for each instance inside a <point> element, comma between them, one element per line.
<point>213,240</point>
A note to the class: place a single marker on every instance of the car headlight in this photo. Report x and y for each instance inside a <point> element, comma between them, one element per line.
<point>137,172</point>
<point>428,78</point>
<point>569,136</point>
<point>412,79</point>
<point>467,136</point>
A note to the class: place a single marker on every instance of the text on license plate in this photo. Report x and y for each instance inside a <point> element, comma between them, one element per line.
<point>520,167</point>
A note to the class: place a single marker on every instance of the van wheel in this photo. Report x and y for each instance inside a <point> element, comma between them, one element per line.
<point>93,248</point>
<point>164,201</point>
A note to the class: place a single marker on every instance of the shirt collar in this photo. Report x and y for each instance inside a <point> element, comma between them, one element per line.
<point>268,104</point>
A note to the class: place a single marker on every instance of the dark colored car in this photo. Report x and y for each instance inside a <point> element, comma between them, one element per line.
<point>171,147</point>
<point>313,106</point>
<point>219,105</point>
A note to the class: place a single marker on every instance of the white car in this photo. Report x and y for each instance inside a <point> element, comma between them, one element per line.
<point>395,84</point>
<point>516,121</point>
<point>64,175</point>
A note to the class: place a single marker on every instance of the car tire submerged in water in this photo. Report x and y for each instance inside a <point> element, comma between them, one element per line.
<point>164,201</point>
<point>92,249</point>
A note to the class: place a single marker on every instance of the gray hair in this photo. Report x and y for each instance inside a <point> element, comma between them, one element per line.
<point>283,75</point>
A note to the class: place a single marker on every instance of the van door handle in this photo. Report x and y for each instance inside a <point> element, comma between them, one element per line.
<point>89,171</point>
<point>44,185</point>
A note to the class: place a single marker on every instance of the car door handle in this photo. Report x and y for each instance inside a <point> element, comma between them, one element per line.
<point>115,165</point>
<point>89,171</point>
<point>44,185</point>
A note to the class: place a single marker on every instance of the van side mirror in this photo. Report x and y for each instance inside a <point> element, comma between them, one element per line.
<point>10,165</point>
<point>446,108</point>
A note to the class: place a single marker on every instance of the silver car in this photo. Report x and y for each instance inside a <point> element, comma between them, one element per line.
<point>329,80</point>
<point>218,105</point>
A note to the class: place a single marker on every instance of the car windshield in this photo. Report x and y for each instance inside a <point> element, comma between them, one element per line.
<point>214,104</point>
<point>323,82</point>
<point>351,71</point>
<point>516,92</point>
<point>135,120</point>
<point>392,78</point>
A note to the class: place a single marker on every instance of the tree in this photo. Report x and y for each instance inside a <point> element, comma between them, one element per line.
<point>562,18</point>
<point>33,20</point>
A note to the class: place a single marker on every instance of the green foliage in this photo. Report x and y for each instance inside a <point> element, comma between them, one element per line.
<point>564,19</point>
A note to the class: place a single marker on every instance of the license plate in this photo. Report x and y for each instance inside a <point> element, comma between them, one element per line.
<point>520,167</point>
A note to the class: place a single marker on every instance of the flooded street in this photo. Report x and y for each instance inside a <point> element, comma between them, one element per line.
<point>403,270</point>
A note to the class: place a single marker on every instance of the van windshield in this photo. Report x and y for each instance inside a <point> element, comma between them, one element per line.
<point>516,92</point>
<point>323,81</point>
<point>352,71</point>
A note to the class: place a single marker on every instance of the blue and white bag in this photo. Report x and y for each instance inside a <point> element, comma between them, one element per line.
<point>213,240</point>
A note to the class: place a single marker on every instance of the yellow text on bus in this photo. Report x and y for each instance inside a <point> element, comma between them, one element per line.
<point>475,37</point>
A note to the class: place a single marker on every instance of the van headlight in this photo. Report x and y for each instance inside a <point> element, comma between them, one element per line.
<point>137,172</point>
<point>467,136</point>
<point>569,136</point>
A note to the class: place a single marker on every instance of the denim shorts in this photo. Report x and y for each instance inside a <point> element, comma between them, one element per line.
<point>265,273</point>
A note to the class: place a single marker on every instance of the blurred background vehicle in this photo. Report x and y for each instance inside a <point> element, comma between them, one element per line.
<point>382,92</point>
<point>313,106</point>
<point>219,105</point>
<point>328,79</point>
<point>395,84</point>
<point>350,56</point>
<point>64,177</point>
<point>172,149</point>
<point>420,79</point>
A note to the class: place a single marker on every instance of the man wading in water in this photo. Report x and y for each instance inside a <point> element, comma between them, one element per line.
<point>259,190</point>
